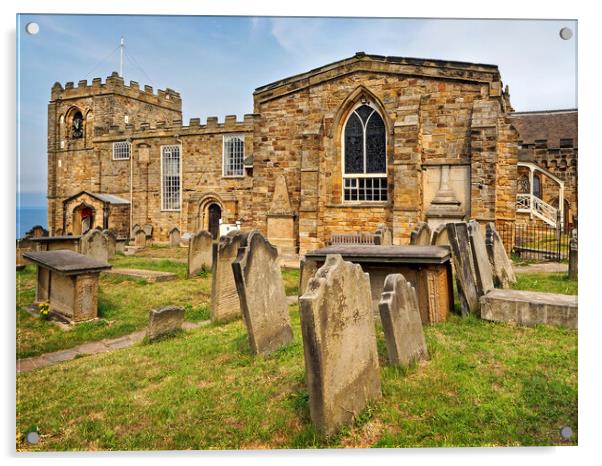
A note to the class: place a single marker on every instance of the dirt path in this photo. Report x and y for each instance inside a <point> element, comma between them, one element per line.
<point>545,267</point>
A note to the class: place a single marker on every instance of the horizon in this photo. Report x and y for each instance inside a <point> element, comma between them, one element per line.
<point>216,63</point>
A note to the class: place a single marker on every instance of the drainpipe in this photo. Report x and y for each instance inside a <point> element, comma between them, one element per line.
<point>131,189</point>
<point>179,141</point>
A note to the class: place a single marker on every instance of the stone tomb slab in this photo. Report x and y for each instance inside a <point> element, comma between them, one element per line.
<point>151,276</point>
<point>482,267</point>
<point>339,344</point>
<point>68,281</point>
<point>262,295</point>
<point>200,252</point>
<point>400,317</point>
<point>462,257</point>
<point>164,321</point>
<point>225,304</point>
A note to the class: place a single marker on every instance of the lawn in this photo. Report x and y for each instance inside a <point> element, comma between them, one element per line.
<point>546,282</point>
<point>486,384</point>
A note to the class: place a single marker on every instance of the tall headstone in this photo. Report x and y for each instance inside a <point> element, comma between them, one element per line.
<point>261,293</point>
<point>402,325</point>
<point>200,252</point>
<point>503,273</point>
<point>174,236</point>
<point>94,244</point>
<point>339,343</point>
<point>421,236</point>
<point>307,269</point>
<point>462,260</point>
<point>280,219</point>
<point>225,304</point>
<point>483,270</point>
<point>111,243</point>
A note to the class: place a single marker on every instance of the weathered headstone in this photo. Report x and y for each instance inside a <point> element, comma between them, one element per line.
<point>94,244</point>
<point>503,273</point>
<point>199,252</point>
<point>111,243</point>
<point>261,293</point>
<point>225,304</point>
<point>24,244</point>
<point>339,343</point>
<point>462,257</point>
<point>440,236</point>
<point>402,325</point>
<point>174,237</point>
<point>573,256</point>
<point>37,231</point>
<point>421,236</point>
<point>307,269</point>
<point>483,271</point>
<point>139,238</point>
<point>164,321</point>
<point>383,236</point>
<point>148,230</point>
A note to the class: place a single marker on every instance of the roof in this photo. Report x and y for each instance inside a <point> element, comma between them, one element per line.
<point>454,66</point>
<point>549,125</point>
<point>66,262</point>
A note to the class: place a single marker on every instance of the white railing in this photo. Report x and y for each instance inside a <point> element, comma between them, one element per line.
<point>533,205</point>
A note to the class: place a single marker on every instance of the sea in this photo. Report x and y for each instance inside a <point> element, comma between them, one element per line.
<point>28,217</point>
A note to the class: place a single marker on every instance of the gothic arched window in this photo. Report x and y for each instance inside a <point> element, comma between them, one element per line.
<point>364,156</point>
<point>77,126</point>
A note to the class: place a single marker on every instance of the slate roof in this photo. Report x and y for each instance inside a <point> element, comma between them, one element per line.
<point>551,126</point>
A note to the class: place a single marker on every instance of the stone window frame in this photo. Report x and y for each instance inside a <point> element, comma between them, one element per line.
<point>364,178</point>
<point>119,153</point>
<point>225,164</point>
<point>165,208</point>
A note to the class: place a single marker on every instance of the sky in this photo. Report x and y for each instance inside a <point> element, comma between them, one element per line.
<point>217,62</point>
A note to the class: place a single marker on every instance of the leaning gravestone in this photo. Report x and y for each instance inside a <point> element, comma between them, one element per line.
<point>111,243</point>
<point>174,237</point>
<point>94,244</point>
<point>164,321</point>
<point>261,293</point>
<point>503,273</point>
<point>421,236</point>
<point>225,304</point>
<point>440,236</point>
<point>339,343</point>
<point>199,252</point>
<point>402,325</point>
<point>462,256</point>
<point>139,238</point>
<point>483,271</point>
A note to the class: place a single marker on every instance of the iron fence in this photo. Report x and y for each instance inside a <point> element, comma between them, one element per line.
<point>535,242</point>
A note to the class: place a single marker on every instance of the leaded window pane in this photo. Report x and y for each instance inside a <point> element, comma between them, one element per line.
<point>375,145</point>
<point>354,145</point>
<point>364,112</point>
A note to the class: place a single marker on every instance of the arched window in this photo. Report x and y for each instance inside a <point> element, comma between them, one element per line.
<point>364,156</point>
<point>77,126</point>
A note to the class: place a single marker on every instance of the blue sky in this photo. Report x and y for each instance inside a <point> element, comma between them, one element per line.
<point>217,62</point>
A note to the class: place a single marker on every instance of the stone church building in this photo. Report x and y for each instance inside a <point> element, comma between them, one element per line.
<point>364,141</point>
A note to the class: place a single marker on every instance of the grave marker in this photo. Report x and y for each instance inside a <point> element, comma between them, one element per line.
<point>200,252</point>
<point>225,304</point>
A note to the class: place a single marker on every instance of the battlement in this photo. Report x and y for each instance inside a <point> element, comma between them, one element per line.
<point>212,125</point>
<point>115,84</point>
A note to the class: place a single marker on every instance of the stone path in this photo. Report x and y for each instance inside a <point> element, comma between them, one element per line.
<point>151,276</point>
<point>545,267</point>
<point>93,347</point>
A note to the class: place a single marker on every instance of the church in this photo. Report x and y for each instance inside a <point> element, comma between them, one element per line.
<point>343,148</point>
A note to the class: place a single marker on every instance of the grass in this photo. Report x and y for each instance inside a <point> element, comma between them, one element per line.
<point>485,385</point>
<point>546,282</point>
<point>291,281</point>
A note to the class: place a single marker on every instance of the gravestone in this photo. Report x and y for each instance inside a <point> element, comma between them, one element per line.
<point>462,257</point>
<point>573,256</point>
<point>383,236</point>
<point>421,236</point>
<point>339,343</point>
<point>402,325</point>
<point>24,244</point>
<point>483,270</point>
<point>174,237</point>
<point>200,252</point>
<point>148,230</point>
<point>225,304</point>
<point>139,238</point>
<point>307,269</point>
<point>37,231</point>
<point>111,243</point>
<point>503,273</point>
<point>440,236</point>
<point>261,293</point>
<point>164,321</point>
<point>94,244</point>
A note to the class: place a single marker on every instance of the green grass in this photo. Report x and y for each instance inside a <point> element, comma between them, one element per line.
<point>546,282</point>
<point>486,384</point>
<point>291,281</point>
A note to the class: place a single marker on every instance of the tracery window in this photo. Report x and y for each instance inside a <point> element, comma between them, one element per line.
<point>364,153</point>
<point>170,177</point>
<point>234,155</point>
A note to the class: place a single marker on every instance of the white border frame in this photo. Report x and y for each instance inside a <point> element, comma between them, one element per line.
<point>179,209</point>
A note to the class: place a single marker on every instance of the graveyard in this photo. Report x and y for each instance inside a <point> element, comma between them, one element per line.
<point>242,381</point>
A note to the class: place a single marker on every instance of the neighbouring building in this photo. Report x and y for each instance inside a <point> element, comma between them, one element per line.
<point>364,141</point>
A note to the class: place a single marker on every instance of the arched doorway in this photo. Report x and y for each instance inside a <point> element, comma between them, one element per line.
<point>214,214</point>
<point>83,219</point>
